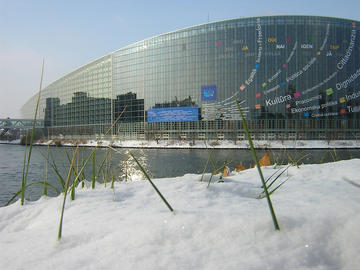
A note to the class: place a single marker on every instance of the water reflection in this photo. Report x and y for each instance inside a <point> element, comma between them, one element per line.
<point>129,169</point>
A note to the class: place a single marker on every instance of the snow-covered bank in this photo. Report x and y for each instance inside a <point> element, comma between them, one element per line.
<point>221,144</point>
<point>10,142</point>
<point>224,226</point>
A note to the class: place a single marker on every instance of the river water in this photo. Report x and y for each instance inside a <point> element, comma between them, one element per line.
<point>158,163</point>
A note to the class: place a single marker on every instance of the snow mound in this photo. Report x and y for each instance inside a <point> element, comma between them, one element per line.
<point>223,226</point>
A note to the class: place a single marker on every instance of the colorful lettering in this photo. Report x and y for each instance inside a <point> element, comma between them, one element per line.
<point>272,40</point>
<point>329,91</point>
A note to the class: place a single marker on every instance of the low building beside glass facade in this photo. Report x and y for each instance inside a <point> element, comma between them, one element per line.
<point>295,77</point>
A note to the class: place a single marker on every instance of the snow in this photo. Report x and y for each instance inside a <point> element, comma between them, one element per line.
<point>10,142</point>
<point>219,144</point>
<point>223,226</point>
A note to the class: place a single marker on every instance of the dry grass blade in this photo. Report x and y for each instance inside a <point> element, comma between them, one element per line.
<point>114,123</point>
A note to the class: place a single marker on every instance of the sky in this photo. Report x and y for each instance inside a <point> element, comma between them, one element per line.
<point>69,34</point>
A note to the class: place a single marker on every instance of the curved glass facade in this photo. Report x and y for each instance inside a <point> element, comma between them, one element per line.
<point>294,76</point>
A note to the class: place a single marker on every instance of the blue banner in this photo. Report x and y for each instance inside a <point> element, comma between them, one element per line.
<point>173,114</point>
<point>208,92</point>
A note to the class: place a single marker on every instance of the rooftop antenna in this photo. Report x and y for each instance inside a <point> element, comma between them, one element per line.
<point>208,16</point>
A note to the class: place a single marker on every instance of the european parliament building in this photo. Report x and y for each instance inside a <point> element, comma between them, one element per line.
<point>295,77</point>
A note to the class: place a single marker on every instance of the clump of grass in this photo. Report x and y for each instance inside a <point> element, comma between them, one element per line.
<point>279,158</point>
<point>28,185</point>
<point>217,170</point>
<point>57,172</point>
<point>44,183</point>
<point>273,180</point>
<point>97,171</point>
<point>94,176</point>
<point>78,175</point>
<point>332,153</point>
<point>293,162</point>
<point>256,160</point>
<point>64,184</point>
